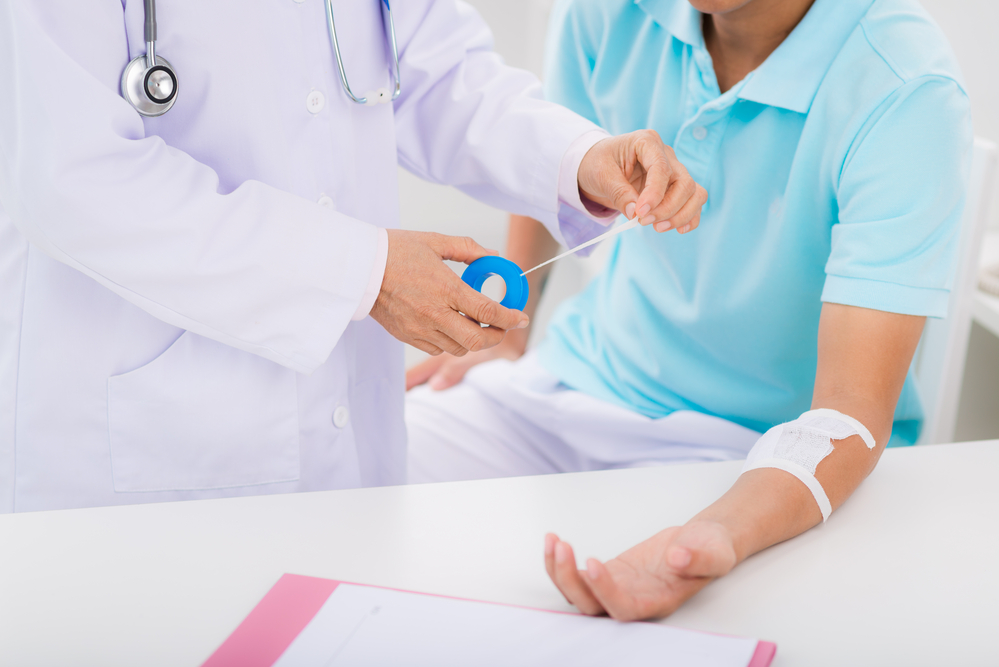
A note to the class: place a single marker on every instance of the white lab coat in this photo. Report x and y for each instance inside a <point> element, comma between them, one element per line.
<point>175,304</point>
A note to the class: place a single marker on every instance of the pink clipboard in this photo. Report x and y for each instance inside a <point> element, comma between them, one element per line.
<point>267,632</point>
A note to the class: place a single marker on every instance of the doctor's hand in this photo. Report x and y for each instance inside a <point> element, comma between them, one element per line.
<point>422,300</point>
<point>636,172</point>
<point>650,580</point>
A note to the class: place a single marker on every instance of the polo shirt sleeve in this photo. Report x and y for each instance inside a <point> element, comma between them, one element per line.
<point>568,60</point>
<point>901,194</point>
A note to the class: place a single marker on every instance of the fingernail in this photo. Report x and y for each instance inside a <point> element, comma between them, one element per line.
<point>592,569</point>
<point>523,324</point>
<point>679,557</point>
<point>685,229</point>
<point>629,211</point>
<point>664,226</point>
<point>644,211</point>
<point>647,220</point>
<point>436,383</point>
<point>549,545</point>
<point>561,552</point>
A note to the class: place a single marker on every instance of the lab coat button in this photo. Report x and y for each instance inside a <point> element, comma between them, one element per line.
<point>341,416</point>
<point>315,102</point>
<point>326,201</point>
<point>700,133</point>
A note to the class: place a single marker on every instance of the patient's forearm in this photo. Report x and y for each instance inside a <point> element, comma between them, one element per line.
<point>863,357</point>
<point>766,506</point>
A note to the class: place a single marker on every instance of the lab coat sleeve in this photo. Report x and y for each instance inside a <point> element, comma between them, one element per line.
<point>257,268</point>
<point>466,119</point>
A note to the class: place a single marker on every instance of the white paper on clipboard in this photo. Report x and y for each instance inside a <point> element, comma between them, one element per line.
<point>363,626</point>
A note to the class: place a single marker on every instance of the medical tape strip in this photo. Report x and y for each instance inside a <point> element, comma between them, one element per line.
<point>798,447</point>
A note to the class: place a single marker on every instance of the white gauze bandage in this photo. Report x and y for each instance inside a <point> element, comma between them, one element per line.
<point>798,446</point>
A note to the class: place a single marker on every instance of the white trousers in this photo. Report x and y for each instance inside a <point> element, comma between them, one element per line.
<point>509,419</point>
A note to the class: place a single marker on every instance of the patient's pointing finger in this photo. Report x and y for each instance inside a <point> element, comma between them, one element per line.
<point>569,581</point>
<point>550,540</point>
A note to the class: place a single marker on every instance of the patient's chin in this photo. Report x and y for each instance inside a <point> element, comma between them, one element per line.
<point>718,6</point>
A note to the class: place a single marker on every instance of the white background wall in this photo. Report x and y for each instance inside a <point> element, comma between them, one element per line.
<point>519,26</point>
<point>973,29</point>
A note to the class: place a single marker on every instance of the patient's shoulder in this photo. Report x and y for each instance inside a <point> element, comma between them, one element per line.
<point>905,37</point>
<point>895,50</point>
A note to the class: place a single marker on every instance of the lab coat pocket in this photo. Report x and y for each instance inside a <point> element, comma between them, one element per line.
<point>203,415</point>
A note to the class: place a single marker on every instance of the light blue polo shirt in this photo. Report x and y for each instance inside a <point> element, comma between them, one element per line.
<point>835,171</point>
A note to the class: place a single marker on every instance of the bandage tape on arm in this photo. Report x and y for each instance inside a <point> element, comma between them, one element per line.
<point>799,446</point>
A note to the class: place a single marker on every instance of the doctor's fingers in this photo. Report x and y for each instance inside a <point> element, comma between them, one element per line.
<point>662,172</point>
<point>424,346</point>
<point>465,334</point>
<point>481,308</point>
<point>682,189</point>
<point>689,216</point>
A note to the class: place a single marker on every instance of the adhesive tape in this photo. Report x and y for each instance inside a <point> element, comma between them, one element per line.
<point>516,285</point>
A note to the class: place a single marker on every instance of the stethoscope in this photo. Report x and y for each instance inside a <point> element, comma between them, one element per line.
<point>149,82</point>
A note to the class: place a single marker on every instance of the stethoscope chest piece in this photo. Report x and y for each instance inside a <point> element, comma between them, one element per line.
<point>151,90</point>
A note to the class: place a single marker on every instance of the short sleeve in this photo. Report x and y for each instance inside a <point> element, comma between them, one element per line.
<point>568,61</point>
<point>901,194</point>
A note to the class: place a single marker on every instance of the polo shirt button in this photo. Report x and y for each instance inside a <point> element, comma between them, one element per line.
<point>315,102</point>
<point>326,201</point>
<point>700,133</point>
<point>341,416</point>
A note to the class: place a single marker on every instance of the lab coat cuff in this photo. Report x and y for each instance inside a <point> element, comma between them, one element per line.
<point>577,228</point>
<point>375,281</point>
<point>568,179</point>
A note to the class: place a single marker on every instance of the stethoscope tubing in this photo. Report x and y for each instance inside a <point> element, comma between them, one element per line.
<point>390,33</point>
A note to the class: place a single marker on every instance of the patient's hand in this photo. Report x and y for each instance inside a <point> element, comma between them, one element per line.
<point>446,370</point>
<point>650,580</point>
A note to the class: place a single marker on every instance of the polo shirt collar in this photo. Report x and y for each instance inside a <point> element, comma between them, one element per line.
<point>677,17</point>
<point>790,77</point>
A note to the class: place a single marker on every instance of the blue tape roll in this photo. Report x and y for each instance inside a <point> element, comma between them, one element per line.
<point>516,285</point>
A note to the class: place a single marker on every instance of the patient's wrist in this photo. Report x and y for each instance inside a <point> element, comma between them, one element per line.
<point>763,507</point>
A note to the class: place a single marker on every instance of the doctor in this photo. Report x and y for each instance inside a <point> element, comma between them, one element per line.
<point>185,292</point>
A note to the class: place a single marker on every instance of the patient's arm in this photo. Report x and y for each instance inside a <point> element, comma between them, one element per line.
<point>528,244</point>
<point>863,357</point>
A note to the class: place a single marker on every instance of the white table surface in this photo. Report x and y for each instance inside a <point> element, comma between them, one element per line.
<point>907,573</point>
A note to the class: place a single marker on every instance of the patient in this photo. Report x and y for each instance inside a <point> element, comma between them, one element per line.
<point>834,140</point>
